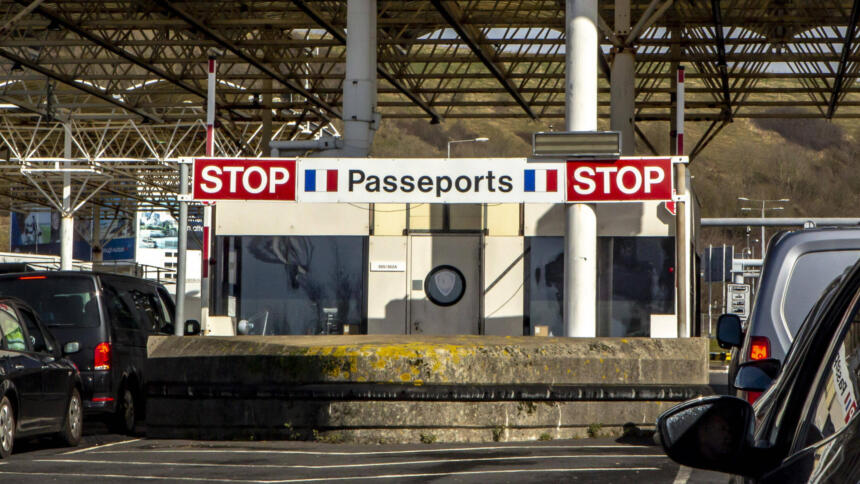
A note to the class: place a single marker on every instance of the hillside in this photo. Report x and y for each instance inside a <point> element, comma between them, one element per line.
<point>809,161</point>
<point>812,162</point>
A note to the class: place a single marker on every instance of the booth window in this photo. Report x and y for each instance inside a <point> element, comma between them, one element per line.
<point>635,279</point>
<point>299,284</point>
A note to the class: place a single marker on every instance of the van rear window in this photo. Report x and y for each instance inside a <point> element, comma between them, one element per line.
<point>59,301</point>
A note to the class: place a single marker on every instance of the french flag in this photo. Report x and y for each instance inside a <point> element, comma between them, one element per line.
<point>541,181</point>
<point>320,180</point>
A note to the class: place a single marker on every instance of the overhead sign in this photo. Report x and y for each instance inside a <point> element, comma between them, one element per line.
<point>620,180</point>
<point>244,179</point>
<point>433,180</point>
<point>430,180</point>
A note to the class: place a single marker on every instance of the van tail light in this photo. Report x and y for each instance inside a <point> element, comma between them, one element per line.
<point>752,396</point>
<point>759,348</point>
<point>102,357</point>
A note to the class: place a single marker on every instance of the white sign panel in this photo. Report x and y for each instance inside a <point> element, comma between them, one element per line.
<point>387,266</point>
<point>431,180</point>
<point>738,299</point>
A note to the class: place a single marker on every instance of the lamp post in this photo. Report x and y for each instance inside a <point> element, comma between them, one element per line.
<point>763,210</point>
<point>471,140</point>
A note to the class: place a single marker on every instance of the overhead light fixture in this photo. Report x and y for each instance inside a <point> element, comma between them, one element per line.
<point>574,144</point>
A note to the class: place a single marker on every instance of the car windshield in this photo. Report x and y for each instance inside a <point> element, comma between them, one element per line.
<point>59,301</point>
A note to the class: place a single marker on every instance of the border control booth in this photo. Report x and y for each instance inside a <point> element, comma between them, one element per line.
<point>350,257</point>
<point>422,277</point>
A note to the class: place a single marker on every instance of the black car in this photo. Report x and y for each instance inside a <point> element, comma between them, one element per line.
<point>40,390</point>
<point>110,317</point>
<point>804,427</point>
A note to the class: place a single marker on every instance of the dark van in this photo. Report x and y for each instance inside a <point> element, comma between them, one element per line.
<point>110,317</point>
<point>798,267</point>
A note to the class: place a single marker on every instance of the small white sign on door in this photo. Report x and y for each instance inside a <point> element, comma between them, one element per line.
<point>388,266</point>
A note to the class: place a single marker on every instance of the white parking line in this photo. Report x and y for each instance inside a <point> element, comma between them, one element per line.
<point>330,479</point>
<point>85,449</point>
<point>683,475</point>
<point>379,452</point>
<point>344,466</point>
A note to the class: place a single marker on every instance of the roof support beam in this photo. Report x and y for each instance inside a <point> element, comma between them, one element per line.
<point>647,19</point>
<point>80,32</point>
<point>27,9</point>
<point>474,39</point>
<point>721,58</point>
<point>69,81</point>
<point>847,46</point>
<point>230,46</point>
<point>340,35</point>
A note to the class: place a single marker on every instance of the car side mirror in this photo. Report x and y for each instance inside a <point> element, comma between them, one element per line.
<point>709,433</point>
<point>71,347</point>
<point>729,331</point>
<point>756,375</point>
<point>192,327</point>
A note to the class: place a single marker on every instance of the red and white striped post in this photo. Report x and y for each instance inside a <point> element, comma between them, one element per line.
<point>679,114</point>
<point>683,227</point>
<point>206,243</point>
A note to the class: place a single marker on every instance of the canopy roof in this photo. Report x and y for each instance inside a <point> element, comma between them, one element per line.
<point>129,77</point>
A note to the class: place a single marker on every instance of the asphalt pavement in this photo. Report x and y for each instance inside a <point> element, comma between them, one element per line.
<point>106,457</point>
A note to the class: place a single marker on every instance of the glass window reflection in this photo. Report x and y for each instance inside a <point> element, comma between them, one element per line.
<point>301,284</point>
<point>635,279</point>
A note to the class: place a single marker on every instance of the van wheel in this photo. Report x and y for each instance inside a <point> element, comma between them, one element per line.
<point>125,417</point>
<point>73,425</point>
<point>7,428</point>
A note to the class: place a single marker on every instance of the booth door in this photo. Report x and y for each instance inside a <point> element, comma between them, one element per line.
<point>445,284</point>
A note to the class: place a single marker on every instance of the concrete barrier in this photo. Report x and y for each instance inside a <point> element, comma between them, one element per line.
<point>412,388</point>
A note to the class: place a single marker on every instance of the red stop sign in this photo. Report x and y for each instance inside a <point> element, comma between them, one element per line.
<point>244,179</point>
<point>619,180</point>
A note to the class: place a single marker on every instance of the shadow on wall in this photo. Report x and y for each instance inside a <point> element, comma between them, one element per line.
<point>394,321</point>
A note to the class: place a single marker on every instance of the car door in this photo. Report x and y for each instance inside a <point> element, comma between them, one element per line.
<point>24,369</point>
<point>825,443</point>
<point>56,377</point>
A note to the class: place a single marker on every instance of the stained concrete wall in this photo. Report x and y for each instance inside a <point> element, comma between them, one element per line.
<point>229,387</point>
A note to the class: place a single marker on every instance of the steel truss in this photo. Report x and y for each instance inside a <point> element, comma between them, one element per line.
<point>129,76</point>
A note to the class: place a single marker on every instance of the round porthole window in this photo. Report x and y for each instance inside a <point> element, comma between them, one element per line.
<point>445,285</point>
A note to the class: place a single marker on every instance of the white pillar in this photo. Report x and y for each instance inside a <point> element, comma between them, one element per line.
<point>206,243</point>
<point>622,106</point>
<point>359,86</point>
<point>622,86</point>
<point>580,239</point>
<point>181,263</point>
<point>67,225</point>
<point>98,250</point>
<point>266,115</point>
